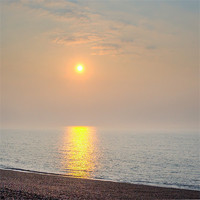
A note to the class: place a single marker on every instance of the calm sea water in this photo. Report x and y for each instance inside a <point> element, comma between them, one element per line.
<point>162,159</point>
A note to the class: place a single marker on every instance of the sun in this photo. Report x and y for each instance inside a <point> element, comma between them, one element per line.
<point>79,68</point>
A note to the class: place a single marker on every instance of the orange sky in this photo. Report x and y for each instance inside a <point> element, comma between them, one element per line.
<point>141,64</point>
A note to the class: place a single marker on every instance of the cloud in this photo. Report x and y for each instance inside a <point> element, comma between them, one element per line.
<point>106,37</point>
<point>61,10</point>
<point>151,47</point>
<point>105,44</point>
<point>81,24</point>
<point>74,38</point>
<point>107,49</point>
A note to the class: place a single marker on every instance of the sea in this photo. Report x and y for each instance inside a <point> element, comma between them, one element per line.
<point>147,158</point>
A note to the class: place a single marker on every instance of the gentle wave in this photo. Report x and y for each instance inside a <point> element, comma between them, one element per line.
<point>178,186</point>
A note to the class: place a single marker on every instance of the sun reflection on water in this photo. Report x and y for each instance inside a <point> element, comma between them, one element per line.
<point>79,151</point>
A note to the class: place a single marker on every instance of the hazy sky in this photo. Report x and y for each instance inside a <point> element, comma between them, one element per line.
<point>141,62</point>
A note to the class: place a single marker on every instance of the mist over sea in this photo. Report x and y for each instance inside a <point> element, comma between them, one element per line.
<point>163,159</point>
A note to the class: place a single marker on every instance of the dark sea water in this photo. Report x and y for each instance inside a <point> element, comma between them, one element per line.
<point>163,159</point>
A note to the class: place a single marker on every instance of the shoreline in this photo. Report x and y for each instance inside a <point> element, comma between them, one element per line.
<point>30,185</point>
<point>96,179</point>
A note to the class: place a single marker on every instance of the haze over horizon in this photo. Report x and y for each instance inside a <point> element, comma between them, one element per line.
<point>140,58</point>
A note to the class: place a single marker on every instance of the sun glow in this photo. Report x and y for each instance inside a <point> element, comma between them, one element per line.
<point>79,68</point>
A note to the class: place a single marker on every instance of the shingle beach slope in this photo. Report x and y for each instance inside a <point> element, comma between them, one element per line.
<point>21,185</point>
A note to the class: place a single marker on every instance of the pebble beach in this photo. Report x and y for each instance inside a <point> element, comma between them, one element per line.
<point>23,185</point>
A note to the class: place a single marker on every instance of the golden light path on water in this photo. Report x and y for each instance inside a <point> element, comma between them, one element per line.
<point>79,158</point>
